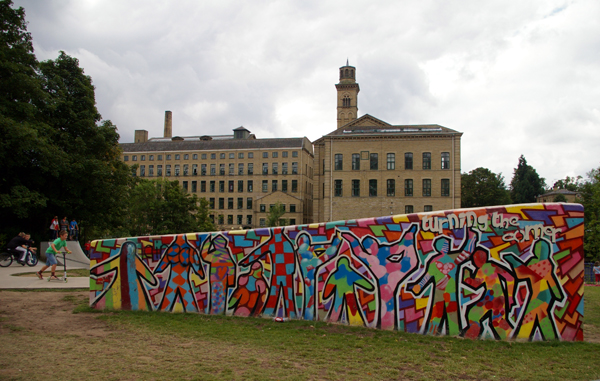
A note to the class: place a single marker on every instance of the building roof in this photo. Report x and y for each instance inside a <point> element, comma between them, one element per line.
<point>565,192</point>
<point>368,125</point>
<point>205,145</point>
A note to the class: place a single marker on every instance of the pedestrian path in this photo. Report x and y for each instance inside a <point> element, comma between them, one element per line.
<point>8,280</point>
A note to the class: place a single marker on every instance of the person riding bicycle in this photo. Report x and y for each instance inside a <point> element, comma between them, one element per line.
<point>19,246</point>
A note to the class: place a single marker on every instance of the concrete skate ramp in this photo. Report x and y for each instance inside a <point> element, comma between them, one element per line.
<point>76,260</point>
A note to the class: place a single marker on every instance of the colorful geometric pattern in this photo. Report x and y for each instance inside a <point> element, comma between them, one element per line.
<point>508,272</point>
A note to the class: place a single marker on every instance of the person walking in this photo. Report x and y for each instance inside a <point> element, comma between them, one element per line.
<point>53,249</point>
<point>54,228</point>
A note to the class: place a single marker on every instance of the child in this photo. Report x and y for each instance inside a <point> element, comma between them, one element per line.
<point>597,272</point>
<point>53,249</point>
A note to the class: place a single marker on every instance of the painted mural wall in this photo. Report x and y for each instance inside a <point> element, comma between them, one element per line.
<point>502,272</point>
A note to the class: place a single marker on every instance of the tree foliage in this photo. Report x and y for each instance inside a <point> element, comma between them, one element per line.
<point>156,207</point>
<point>482,187</point>
<point>569,183</point>
<point>526,184</point>
<point>274,216</point>
<point>590,199</point>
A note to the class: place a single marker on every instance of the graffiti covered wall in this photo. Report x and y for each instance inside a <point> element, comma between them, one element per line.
<point>502,272</point>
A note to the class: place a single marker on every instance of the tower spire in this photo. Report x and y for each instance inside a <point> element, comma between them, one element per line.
<point>347,62</point>
<point>347,94</point>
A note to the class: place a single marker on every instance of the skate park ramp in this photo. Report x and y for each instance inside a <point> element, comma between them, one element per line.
<point>76,260</point>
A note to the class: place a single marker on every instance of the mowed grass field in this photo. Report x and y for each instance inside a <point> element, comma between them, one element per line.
<point>142,345</point>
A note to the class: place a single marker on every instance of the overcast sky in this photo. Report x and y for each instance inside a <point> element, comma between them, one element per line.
<point>516,77</point>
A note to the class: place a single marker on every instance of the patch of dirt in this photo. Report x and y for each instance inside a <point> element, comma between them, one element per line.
<point>48,312</point>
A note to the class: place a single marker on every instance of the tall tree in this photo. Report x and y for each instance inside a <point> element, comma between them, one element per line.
<point>526,184</point>
<point>482,187</point>
<point>275,213</point>
<point>590,199</point>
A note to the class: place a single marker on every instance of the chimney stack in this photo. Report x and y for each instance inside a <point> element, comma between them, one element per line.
<point>168,124</point>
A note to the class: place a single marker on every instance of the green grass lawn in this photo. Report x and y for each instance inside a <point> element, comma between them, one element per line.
<point>257,348</point>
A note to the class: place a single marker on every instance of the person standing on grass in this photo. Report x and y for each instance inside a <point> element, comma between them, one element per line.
<point>53,249</point>
<point>597,272</point>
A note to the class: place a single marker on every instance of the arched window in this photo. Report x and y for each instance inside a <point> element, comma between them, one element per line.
<point>351,73</point>
<point>346,73</point>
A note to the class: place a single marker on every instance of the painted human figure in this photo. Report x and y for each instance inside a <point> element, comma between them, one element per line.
<point>545,290</point>
<point>341,286</point>
<point>441,272</point>
<point>221,270</point>
<point>126,289</point>
<point>494,283</point>
<point>182,258</point>
<point>312,256</point>
<point>250,296</point>
<point>280,251</point>
<point>390,263</point>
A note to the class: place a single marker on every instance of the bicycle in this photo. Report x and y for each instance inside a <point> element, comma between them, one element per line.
<point>7,257</point>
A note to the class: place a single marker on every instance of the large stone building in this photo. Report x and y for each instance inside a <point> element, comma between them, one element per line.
<point>365,168</point>
<point>240,176</point>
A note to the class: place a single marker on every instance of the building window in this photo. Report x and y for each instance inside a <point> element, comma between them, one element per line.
<point>391,161</point>
<point>230,219</point>
<point>426,187</point>
<point>445,187</point>
<point>213,156</point>
<point>231,169</point>
<point>408,209</point>
<point>355,188</point>
<point>186,157</point>
<point>176,169</point>
<point>212,186</point>
<point>202,169</point>
<point>230,185</point>
<point>230,203</point>
<point>150,170</point>
<point>203,156</point>
<point>222,186</point>
<point>221,219</point>
<point>391,187</point>
<point>221,169</point>
<point>240,155</point>
<point>250,168</point>
<point>143,158</point>
<point>222,155</point>
<point>274,155</point>
<point>284,168</point>
<point>250,187</point>
<point>408,187</point>
<point>275,168</point>
<point>159,157</point>
<point>194,186</point>
<point>142,170</point>
<point>151,157</point>
<point>265,186</point>
<point>240,169</point>
<point>195,169</point>
<point>263,208</point>
<point>427,208</point>
<point>177,156</point>
<point>240,186</point>
<point>426,160</point>
<point>159,170</point>
<point>211,203</point>
<point>168,170</point>
<point>294,168</point>
<point>249,219</point>
<point>339,162</point>
<point>126,158</point>
<point>168,157</point>
<point>213,169</point>
<point>294,153</point>
<point>265,168</point>
<point>284,154</point>
<point>232,155</point>
<point>239,219</point>
<point>262,223</point>
<point>202,186</point>
<point>186,167</point>
<point>292,221</point>
<point>274,186</point>
<point>292,208</point>
<point>221,203</point>
<point>195,156</point>
<point>249,203</point>
<point>355,161</point>
<point>265,155</point>
<point>284,185</point>
<point>408,160</point>
<point>337,189</point>
<point>372,188</point>
<point>250,155</point>
<point>374,161</point>
<point>294,186</point>
<point>445,160</point>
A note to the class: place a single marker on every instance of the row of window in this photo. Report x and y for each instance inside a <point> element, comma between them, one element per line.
<point>213,169</point>
<point>285,186</point>
<point>338,188</point>
<point>240,204</point>
<point>204,156</point>
<point>240,218</point>
<point>390,161</point>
